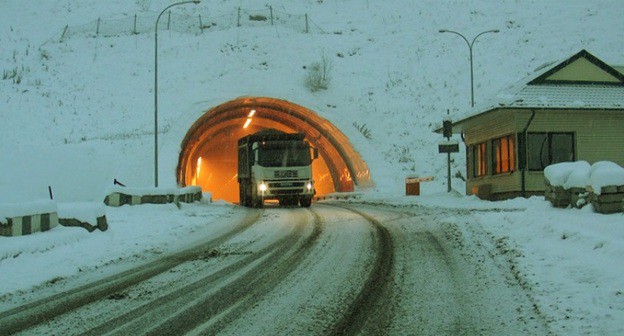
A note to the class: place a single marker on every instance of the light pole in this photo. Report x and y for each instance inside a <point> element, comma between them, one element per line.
<point>156,87</point>
<point>470,44</point>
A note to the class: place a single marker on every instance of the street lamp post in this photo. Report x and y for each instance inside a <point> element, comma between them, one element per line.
<point>156,87</point>
<point>470,44</point>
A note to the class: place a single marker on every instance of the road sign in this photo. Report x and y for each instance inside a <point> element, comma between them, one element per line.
<point>451,146</point>
<point>411,179</point>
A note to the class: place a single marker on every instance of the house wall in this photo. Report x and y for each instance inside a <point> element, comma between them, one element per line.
<point>490,126</point>
<point>599,135</point>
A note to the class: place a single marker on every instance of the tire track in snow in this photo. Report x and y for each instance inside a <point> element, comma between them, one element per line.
<point>368,311</point>
<point>206,305</point>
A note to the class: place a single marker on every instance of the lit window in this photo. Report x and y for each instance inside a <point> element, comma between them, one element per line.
<point>503,155</point>
<point>478,160</point>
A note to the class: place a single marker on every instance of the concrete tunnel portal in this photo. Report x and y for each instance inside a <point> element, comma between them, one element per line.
<point>208,155</point>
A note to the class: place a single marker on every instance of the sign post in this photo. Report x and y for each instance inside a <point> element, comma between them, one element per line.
<point>449,146</point>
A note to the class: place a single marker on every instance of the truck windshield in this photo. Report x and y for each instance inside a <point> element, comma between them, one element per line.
<point>284,154</point>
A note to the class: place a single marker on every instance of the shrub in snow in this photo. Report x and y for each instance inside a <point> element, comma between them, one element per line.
<point>366,132</point>
<point>318,77</point>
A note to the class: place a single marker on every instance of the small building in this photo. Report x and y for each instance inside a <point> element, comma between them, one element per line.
<point>567,111</point>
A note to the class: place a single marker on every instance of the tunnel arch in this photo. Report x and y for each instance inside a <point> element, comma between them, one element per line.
<point>208,150</point>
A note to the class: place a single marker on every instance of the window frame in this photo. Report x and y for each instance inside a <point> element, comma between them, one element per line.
<point>504,165</point>
<point>549,143</point>
<point>479,159</point>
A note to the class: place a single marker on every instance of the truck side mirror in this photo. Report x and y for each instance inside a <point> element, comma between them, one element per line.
<point>314,153</point>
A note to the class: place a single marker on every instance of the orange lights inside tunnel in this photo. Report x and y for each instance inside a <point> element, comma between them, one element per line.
<point>208,156</point>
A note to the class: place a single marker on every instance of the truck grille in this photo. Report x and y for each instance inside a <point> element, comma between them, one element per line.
<point>286,173</point>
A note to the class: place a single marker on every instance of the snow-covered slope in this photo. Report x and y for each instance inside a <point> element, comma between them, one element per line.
<point>76,114</point>
<point>81,112</point>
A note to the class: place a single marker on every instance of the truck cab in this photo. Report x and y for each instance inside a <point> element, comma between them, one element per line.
<point>275,165</point>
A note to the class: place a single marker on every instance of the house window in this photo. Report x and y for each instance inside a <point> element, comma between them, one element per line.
<point>503,155</point>
<point>545,149</point>
<point>478,160</point>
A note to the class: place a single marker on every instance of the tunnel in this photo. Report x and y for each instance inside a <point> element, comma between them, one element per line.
<point>208,153</point>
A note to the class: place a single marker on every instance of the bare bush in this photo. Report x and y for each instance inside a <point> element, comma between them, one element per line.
<point>318,76</point>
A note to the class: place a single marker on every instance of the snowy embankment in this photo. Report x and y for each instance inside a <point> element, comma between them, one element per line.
<point>135,234</point>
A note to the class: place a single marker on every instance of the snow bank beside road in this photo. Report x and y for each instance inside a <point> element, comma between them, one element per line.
<point>135,234</point>
<point>10,210</point>
<point>85,211</point>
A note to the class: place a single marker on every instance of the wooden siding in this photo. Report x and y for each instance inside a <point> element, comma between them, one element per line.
<point>583,70</point>
<point>491,125</point>
<point>598,135</point>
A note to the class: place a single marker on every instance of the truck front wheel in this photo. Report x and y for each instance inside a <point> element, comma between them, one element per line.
<point>305,201</point>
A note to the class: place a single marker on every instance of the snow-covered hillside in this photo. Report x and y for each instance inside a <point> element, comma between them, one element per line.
<point>79,113</point>
<point>76,114</point>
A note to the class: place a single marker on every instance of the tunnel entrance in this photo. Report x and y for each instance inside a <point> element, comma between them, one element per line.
<point>208,155</point>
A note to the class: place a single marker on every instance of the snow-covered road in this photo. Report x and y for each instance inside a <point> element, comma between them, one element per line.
<point>336,268</point>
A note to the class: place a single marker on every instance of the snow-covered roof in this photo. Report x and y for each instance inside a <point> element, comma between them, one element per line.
<point>576,96</point>
<point>581,81</point>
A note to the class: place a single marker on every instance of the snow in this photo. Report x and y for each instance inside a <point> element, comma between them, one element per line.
<point>135,234</point>
<point>82,116</point>
<point>558,174</point>
<point>10,210</point>
<point>86,212</point>
<point>580,174</point>
<point>605,173</point>
<point>148,191</point>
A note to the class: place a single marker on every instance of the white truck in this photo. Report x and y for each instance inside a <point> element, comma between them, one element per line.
<point>275,165</point>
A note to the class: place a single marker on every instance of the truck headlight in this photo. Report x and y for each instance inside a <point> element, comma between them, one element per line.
<point>262,187</point>
<point>309,185</point>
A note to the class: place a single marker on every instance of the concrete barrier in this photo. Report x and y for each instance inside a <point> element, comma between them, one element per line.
<point>118,196</point>
<point>28,224</point>
<point>18,219</point>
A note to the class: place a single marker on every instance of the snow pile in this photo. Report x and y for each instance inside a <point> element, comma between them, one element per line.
<point>580,174</point>
<point>149,191</point>
<point>558,174</point>
<point>605,173</point>
<point>87,212</point>
<point>11,210</point>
